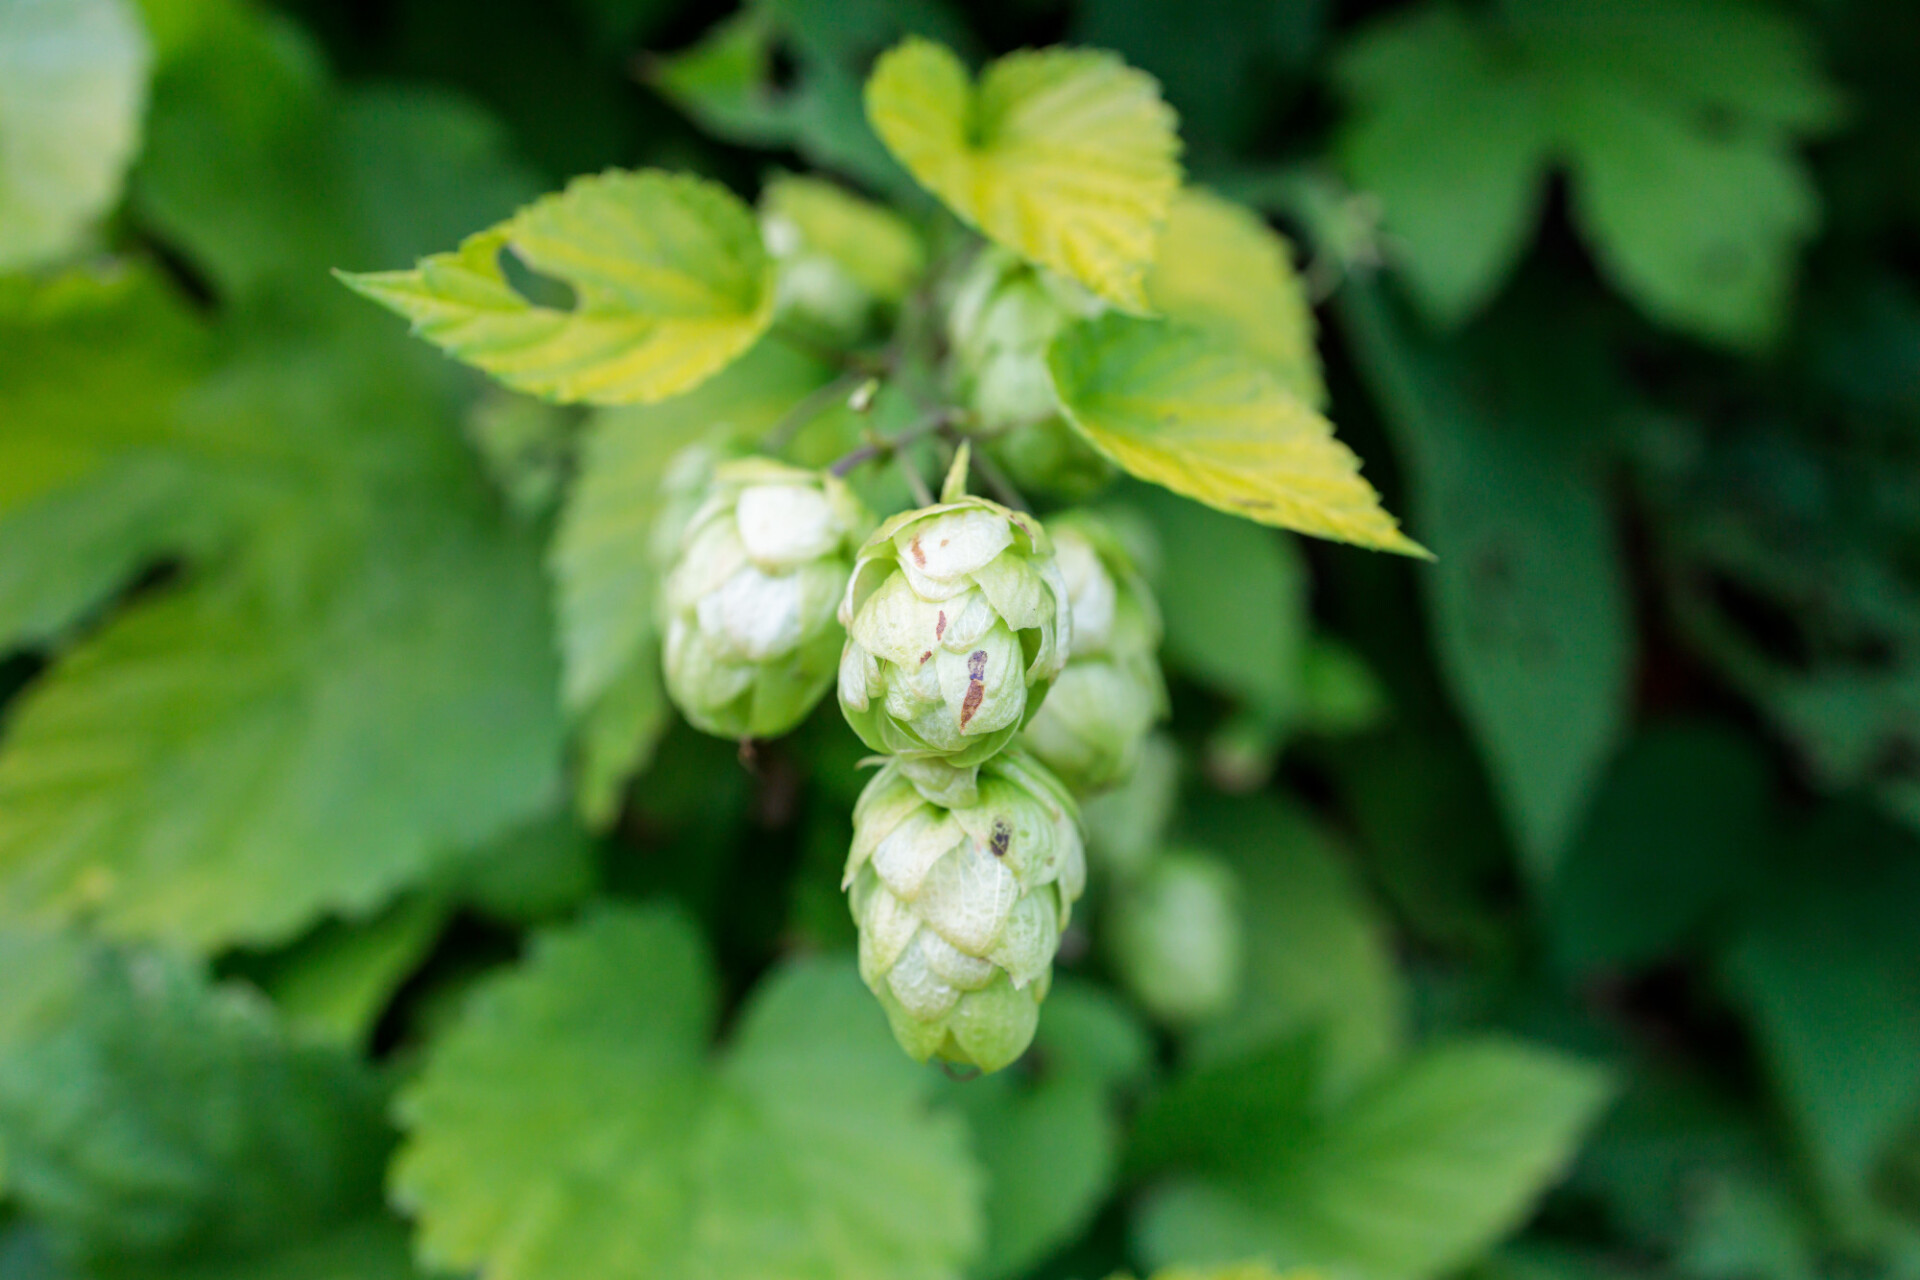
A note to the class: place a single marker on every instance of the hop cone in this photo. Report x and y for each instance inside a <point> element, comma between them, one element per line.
<point>956,618</point>
<point>749,603</point>
<point>1100,709</point>
<point>1004,315</point>
<point>1176,937</point>
<point>960,909</point>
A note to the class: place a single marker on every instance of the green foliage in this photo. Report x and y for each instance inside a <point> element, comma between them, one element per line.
<point>1416,1172</point>
<point>572,1123</point>
<point>1050,1145</point>
<point>227,1140</point>
<point>1677,123</point>
<point>1530,610</point>
<point>1317,962</point>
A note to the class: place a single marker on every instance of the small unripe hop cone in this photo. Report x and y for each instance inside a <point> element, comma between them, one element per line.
<point>750,643</point>
<point>957,623</point>
<point>960,908</point>
<point>1177,939</point>
<point>1100,709</point>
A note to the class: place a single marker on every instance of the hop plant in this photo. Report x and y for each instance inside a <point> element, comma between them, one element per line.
<point>749,602</point>
<point>957,622</point>
<point>1078,315</point>
<point>1110,694</point>
<point>1176,937</point>
<point>960,907</point>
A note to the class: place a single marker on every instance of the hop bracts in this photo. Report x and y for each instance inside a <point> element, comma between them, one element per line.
<point>1111,692</point>
<point>749,603</point>
<point>960,908</point>
<point>957,622</point>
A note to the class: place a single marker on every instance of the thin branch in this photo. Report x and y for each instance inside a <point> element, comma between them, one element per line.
<point>937,421</point>
<point>998,482</point>
<point>809,407</point>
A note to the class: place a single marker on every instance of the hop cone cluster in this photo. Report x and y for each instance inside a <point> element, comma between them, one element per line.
<point>957,622</point>
<point>749,602</point>
<point>1091,727</point>
<point>960,908</point>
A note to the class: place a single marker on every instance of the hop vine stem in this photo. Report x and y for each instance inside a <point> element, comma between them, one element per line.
<point>939,421</point>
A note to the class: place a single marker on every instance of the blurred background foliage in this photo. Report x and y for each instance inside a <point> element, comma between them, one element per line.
<point>1592,849</point>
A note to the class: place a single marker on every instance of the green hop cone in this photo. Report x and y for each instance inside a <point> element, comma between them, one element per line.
<point>1177,939</point>
<point>957,623</point>
<point>749,602</point>
<point>1111,692</point>
<point>1004,315</point>
<point>960,908</point>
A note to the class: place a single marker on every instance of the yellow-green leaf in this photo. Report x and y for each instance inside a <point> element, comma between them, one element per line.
<point>1174,405</point>
<point>869,241</point>
<point>1066,156</point>
<point>670,284</point>
<point>1222,267</point>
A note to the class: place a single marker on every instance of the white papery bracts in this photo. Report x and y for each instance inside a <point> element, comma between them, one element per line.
<point>749,603</point>
<point>960,908</point>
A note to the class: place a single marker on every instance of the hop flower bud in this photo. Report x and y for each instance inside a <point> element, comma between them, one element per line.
<point>1004,315</point>
<point>749,602</point>
<point>957,622</point>
<point>1177,939</point>
<point>1098,712</point>
<point>960,909</point>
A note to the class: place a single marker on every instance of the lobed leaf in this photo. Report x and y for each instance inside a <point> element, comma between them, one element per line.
<point>209,769</point>
<point>1408,1179</point>
<point>88,492</point>
<point>1050,1145</point>
<point>670,282</point>
<point>1676,122</point>
<point>151,1118</point>
<point>1066,156</point>
<point>1172,405</point>
<point>574,1124</point>
<point>1532,621</point>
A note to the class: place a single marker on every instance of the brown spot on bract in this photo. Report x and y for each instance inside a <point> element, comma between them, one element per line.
<point>1002,837</point>
<point>940,625</point>
<point>976,685</point>
<point>925,656</point>
<point>919,556</point>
